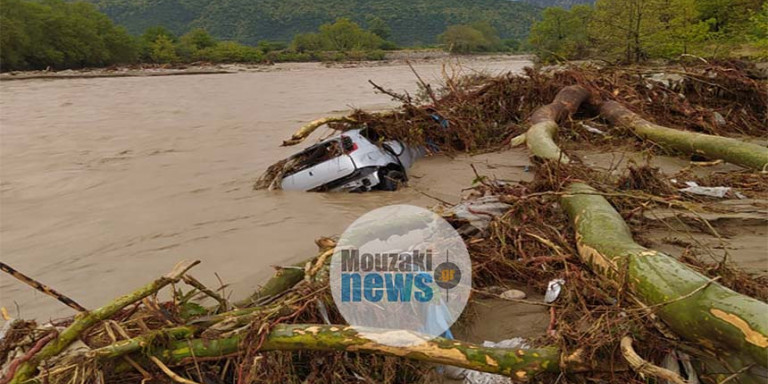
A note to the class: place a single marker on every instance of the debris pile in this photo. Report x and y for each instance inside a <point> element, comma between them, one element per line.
<point>624,312</point>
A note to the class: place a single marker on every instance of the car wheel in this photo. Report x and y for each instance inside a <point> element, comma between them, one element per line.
<point>390,179</point>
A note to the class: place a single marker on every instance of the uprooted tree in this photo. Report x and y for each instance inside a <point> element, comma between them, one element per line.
<point>570,222</point>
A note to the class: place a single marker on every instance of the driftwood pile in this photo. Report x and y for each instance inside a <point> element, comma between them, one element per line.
<point>624,309</point>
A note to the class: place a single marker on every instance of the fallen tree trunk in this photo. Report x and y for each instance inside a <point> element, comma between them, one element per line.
<point>692,305</point>
<point>540,136</point>
<point>714,147</point>
<point>519,363</point>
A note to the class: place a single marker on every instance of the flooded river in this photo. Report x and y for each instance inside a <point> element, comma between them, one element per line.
<point>106,183</point>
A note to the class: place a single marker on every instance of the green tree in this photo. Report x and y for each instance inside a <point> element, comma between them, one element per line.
<point>307,42</point>
<point>462,39</point>
<point>681,29</point>
<point>148,41</point>
<point>162,50</point>
<point>53,33</point>
<point>345,35</point>
<point>197,39</point>
<point>379,27</point>
<point>729,17</point>
<point>192,42</point>
<point>758,32</point>
<point>622,28</point>
<point>491,36</point>
<point>562,33</point>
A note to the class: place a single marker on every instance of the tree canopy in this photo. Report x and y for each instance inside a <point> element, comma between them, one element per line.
<point>635,30</point>
<point>343,35</point>
<point>55,34</point>
<point>410,22</point>
<point>476,37</point>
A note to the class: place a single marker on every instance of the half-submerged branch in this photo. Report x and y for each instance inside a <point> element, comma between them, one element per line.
<point>540,136</point>
<point>714,147</point>
<point>694,306</point>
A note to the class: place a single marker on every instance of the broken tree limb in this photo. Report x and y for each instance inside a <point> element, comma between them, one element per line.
<point>85,320</point>
<point>643,367</point>
<point>734,151</point>
<point>540,136</point>
<point>286,277</point>
<point>307,129</point>
<point>124,347</point>
<point>517,363</point>
<point>714,317</point>
<point>42,287</point>
<point>283,279</point>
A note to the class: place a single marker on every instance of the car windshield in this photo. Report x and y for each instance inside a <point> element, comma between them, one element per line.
<point>314,155</point>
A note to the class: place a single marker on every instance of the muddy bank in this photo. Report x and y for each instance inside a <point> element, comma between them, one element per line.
<point>395,58</point>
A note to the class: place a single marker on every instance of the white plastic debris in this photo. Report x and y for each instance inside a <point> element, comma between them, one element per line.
<point>479,212</point>
<point>680,363</point>
<point>513,294</point>
<point>696,189</point>
<point>592,129</point>
<point>553,290</point>
<point>719,119</point>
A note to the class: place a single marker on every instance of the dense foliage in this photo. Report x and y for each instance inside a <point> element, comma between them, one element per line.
<point>59,35</point>
<point>344,35</point>
<point>55,34</point>
<point>475,37</point>
<point>636,30</point>
<point>409,22</point>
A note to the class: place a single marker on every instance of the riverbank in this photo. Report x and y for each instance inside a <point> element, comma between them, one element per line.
<point>151,70</point>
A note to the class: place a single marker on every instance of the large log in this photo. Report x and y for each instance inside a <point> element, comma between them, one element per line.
<point>692,305</point>
<point>540,136</point>
<point>517,363</point>
<point>734,151</point>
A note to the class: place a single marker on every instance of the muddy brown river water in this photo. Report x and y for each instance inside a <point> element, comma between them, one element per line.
<point>106,183</point>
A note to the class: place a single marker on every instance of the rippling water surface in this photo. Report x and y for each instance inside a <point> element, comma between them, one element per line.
<point>106,183</point>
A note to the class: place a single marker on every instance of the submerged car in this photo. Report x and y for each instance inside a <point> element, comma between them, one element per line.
<point>351,162</point>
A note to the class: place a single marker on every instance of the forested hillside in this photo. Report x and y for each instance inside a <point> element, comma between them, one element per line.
<point>249,21</point>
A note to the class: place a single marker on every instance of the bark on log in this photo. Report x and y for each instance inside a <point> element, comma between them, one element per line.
<point>281,281</point>
<point>692,305</point>
<point>540,136</point>
<point>517,363</point>
<point>307,129</point>
<point>714,147</point>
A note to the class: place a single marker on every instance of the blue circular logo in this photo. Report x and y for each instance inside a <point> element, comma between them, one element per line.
<point>401,267</point>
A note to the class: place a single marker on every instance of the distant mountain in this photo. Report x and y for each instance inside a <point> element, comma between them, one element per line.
<point>249,21</point>
<point>567,4</point>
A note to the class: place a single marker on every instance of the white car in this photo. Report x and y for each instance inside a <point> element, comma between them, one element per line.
<point>351,162</point>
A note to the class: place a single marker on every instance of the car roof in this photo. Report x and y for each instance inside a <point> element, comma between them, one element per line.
<point>351,132</point>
